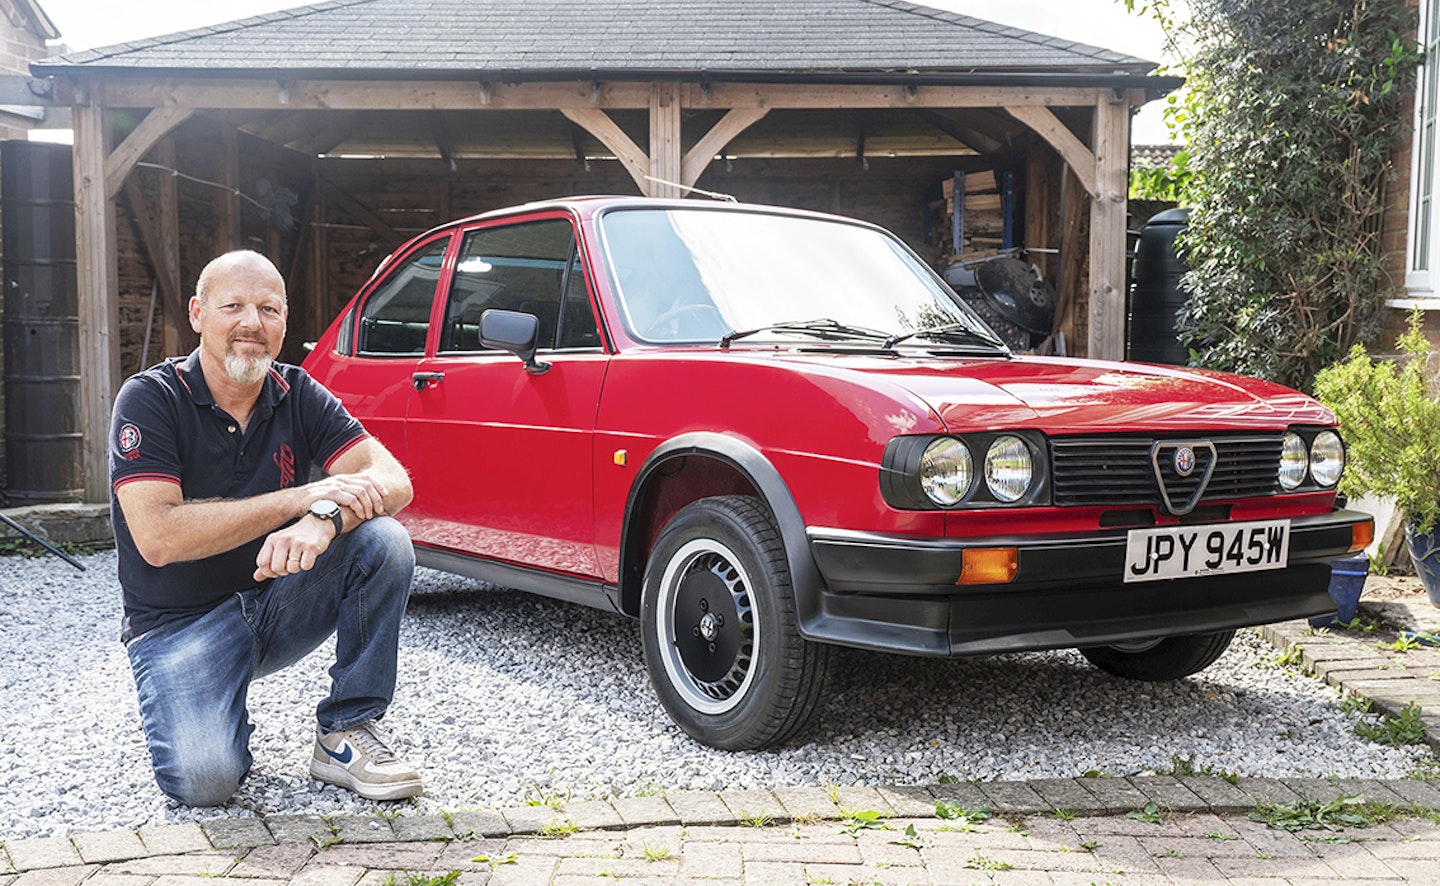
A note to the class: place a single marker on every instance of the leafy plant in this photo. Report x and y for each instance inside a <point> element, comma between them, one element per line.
<point>952,811</point>
<point>1389,415</point>
<point>1349,811</point>
<point>754,819</point>
<point>1408,728</point>
<point>1290,114</point>
<point>912,838</point>
<point>984,863</point>
<point>1150,813</point>
<point>559,828</point>
<point>658,852</point>
<point>414,878</point>
<point>496,861</point>
<point>856,820</point>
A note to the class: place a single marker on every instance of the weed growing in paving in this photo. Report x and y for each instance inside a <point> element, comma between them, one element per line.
<point>983,863</point>
<point>1222,837</point>
<point>658,852</point>
<point>1183,767</point>
<point>966,818</point>
<point>559,828</point>
<point>1150,813</point>
<point>1351,811</point>
<point>856,820</point>
<point>496,861</point>
<point>912,838</point>
<point>422,879</point>
<point>754,819</point>
<point>1408,728</point>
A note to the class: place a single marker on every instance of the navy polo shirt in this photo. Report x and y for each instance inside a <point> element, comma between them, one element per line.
<point>166,427</point>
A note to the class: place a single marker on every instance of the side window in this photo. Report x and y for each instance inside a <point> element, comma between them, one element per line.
<point>396,317</point>
<point>577,318</point>
<point>513,268</point>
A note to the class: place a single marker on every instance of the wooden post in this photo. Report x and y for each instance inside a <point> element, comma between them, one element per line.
<point>227,202</point>
<point>1107,229</point>
<point>179,337</point>
<point>665,144</point>
<point>95,253</point>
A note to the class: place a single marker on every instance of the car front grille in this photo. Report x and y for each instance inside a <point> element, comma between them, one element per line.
<point>1122,470</point>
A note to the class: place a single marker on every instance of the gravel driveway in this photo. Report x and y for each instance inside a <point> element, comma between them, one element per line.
<point>505,697</point>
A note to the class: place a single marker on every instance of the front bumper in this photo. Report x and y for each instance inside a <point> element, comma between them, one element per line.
<point>897,594</point>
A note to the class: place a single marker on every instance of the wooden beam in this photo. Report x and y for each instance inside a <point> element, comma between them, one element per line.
<point>372,95</point>
<point>167,276</point>
<point>735,121</point>
<point>179,337</point>
<point>1065,143</point>
<point>665,144</point>
<point>598,123</point>
<point>99,297</point>
<point>329,133</point>
<point>227,201</point>
<point>1107,230</point>
<point>154,127</point>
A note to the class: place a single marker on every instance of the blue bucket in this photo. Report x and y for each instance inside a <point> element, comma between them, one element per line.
<point>1347,580</point>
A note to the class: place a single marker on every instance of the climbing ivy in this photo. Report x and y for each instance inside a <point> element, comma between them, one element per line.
<point>1291,115</point>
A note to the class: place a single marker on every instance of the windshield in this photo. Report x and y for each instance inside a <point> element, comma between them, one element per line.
<point>703,274</point>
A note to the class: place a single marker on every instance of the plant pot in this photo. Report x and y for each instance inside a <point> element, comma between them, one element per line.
<point>1347,580</point>
<point>1425,555</point>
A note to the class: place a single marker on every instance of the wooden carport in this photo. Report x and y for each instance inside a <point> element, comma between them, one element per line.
<point>646,111</point>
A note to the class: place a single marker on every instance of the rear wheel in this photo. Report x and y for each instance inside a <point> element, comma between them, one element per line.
<point>1169,658</point>
<point>719,629</point>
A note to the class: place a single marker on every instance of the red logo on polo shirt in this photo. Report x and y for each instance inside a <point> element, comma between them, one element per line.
<point>285,461</point>
<point>129,442</point>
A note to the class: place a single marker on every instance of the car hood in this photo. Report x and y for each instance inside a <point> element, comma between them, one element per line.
<point>1087,396</point>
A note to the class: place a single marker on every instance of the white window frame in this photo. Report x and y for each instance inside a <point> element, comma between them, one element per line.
<point>1422,242</point>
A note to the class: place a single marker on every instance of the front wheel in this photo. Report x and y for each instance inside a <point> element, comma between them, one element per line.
<point>1155,661</point>
<point>719,629</point>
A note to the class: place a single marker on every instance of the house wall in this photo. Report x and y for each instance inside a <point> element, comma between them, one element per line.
<point>1395,226</point>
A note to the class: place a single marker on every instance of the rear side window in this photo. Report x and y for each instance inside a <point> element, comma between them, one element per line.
<point>529,268</point>
<point>396,317</point>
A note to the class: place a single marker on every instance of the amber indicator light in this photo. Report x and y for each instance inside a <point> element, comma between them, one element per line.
<point>988,566</point>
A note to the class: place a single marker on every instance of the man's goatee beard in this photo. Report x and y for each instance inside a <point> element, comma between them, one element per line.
<point>247,370</point>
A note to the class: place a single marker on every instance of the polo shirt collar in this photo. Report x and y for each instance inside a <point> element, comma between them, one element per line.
<point>192,377</point>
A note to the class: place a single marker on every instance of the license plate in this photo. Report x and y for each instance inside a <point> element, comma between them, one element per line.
<point>1220,549</point>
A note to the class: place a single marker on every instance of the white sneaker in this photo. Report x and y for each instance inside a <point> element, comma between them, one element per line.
<point>359,760</point>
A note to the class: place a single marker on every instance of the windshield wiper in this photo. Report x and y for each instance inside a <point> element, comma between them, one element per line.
<point>824,327</point>
<point>949,330</point>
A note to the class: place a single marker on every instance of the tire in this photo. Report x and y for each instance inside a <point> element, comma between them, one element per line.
<point>1167,659</point>
<point>719,630</point>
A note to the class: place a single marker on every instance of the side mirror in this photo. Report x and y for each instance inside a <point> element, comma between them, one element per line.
<point>514,332</point>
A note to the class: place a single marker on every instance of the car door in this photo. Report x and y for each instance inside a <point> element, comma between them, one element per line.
<point>501,458</point>
<point>383,340</point>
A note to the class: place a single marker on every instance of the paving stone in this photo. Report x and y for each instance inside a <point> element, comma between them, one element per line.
<point>1372,790</point>
<point>198,864</point>
<point>645,811</point>
<point>909,801</point>
<point>105,878</point>
<point>98,848</point>
<point>1268,791</point>
<point>237,833</point>
<point>754,804</point>
<point>1014,797</point>
<point>274,862</point>
<point>361,828</point>
<point>807,802</point>
<point>712,860</point>
<point>965,795</point>
<point>300,829</point>
<point>1315,790</point>
<point>697,808</point>
<point>1168,792</point>
<point>479,823</point>
<point>1065,793</point>
<point>6,868</point>
<point>55,876</point>
<point>533,819</point>
<point>1115,796</point>
<point>323,875</point>
<point>422,827</point>
<point>859,799</point>
<point>386,856</point>
<point>1423,794</point>
<point>174,839</point>
<point>42,852</point>
<point>1218,794</point>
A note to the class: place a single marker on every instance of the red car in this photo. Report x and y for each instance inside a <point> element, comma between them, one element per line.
<point>767,432</point>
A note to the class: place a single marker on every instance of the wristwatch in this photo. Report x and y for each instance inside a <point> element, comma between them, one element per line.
<point>325,509</point>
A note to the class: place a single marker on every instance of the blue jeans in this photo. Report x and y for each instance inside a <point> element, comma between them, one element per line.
<point>193,675</point>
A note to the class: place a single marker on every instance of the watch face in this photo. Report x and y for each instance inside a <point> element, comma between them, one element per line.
<point>324,508</point>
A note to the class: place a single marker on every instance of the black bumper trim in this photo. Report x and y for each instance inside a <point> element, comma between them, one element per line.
<point>900,594</point>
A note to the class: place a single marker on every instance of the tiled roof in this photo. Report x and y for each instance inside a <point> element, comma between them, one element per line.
<point>430,38</point>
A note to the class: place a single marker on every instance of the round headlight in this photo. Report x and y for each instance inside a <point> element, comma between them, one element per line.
<point>946,471</point>
<point>1008,468</point>
<point>1327,458</point>
<point>1294,462</point>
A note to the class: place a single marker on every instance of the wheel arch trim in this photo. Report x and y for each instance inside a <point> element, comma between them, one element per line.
<point>805,580</point>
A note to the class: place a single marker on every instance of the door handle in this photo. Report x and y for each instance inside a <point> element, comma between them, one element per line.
<point>421,380</point>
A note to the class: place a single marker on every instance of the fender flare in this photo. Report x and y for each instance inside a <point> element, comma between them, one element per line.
<point>805,581</point>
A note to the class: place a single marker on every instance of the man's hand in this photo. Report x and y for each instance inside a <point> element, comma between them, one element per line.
<point>360,494</point>
<point>293,549</point>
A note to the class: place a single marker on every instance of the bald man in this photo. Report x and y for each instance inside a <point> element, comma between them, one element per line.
<point>232,566</point>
